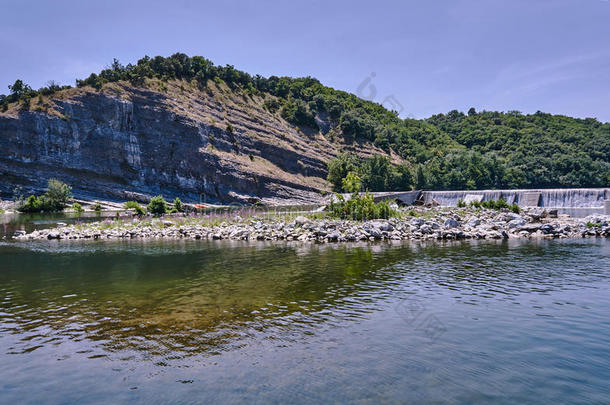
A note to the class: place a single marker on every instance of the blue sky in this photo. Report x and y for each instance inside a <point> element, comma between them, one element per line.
<point>427,56</point>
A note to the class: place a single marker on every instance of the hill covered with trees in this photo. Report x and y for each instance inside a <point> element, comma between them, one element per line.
<point>472,150</point>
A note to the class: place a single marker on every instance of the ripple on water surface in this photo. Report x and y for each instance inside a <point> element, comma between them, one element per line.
<point>452,322</point>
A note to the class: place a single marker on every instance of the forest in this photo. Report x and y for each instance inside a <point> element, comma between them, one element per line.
<point>457,150</point>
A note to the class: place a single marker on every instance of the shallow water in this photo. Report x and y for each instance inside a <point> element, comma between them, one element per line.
<point>10,223</point>
<point>237,322</point>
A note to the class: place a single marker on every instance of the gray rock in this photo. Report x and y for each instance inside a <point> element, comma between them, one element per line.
<point>494,235</point>
<point>425,229</point>
<point>383,226</point>
<point>516,223</point>
<point>333,237</point>
<point>416,222</point>
<point>537,214</point>
<point>451,223</point>
<point>547,229</point>
<point>301,220</point>
<point>529,228</point>
<point>474,222</point>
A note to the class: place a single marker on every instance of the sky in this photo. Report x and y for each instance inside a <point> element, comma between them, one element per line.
<point>417,57</point>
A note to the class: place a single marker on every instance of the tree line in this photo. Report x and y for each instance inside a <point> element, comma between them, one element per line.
<point>456,150</point>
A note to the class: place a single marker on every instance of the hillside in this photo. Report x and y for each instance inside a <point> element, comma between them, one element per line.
<point>181,126</point>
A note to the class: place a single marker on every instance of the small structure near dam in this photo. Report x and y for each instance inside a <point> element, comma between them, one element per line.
<point>597,199</point>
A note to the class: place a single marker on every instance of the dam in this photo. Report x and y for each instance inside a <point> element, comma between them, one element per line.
<point>569,200</point>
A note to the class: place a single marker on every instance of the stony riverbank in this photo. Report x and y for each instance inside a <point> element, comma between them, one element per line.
<point>421,223</point>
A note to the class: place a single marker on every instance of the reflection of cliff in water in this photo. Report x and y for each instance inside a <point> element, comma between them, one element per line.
<point>187,298</point>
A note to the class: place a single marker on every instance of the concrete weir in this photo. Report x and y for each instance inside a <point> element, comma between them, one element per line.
<point>550,198</point>
<point>577,202</point>
<point>573,201</point>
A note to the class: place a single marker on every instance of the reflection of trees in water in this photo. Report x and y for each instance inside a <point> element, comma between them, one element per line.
<point>202,297</point>
<point>194,300</point>
<point>9,223</point>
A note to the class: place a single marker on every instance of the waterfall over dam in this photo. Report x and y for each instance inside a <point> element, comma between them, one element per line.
<point>550,198</point>
<point>576,202</point>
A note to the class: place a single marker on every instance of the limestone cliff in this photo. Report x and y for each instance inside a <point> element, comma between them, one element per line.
<point>168,138</point>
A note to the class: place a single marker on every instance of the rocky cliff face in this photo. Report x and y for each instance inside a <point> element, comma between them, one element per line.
<point>131,143</point>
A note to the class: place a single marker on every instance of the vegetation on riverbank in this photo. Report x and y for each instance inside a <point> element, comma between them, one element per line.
<point>491,204</point>
<point>416,223</point>
<point>359,206</point>
<point>55,198</point>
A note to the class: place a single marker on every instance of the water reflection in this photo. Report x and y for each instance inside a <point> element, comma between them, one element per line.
<point>10,223</point>
<point>182,298</point>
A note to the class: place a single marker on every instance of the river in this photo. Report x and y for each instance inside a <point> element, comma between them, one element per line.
<point>249,322</point>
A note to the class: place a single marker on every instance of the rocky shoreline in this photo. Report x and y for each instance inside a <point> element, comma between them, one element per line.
<point>412,224</point>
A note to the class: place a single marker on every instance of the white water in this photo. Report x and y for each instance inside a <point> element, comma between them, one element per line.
<point>551,198</point>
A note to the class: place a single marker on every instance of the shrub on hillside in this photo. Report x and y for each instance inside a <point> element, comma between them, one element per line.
<point>298,113</point>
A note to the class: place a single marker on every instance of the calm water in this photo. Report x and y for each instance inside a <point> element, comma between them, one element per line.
<point>220,322</point>
<point>10,223</point>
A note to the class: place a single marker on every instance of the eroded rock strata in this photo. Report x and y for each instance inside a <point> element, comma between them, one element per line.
<point>128,143</point>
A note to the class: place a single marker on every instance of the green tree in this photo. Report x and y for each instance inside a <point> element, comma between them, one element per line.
<point>19,88</point>
<point>157,205</point>
<point>58,194</point>
<point>339,168</point>
<point>352,183</point>
<point>420,178</point>
<point>135,206</point>
<point>178,205</point>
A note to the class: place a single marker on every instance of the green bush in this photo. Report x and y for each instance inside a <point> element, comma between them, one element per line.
<point>272,104</point>
<point>32,204</point>
<point>495,205</point>
<point>58,194</point>
<point>97,207</point>
<point>77,208</point>
<point>178,205</point>
<point>157,205</point>
<point>136,206</point>
<point>360,206</point>
<point>299,114</point>
<point>54,199</point>
<point>461,204</point>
